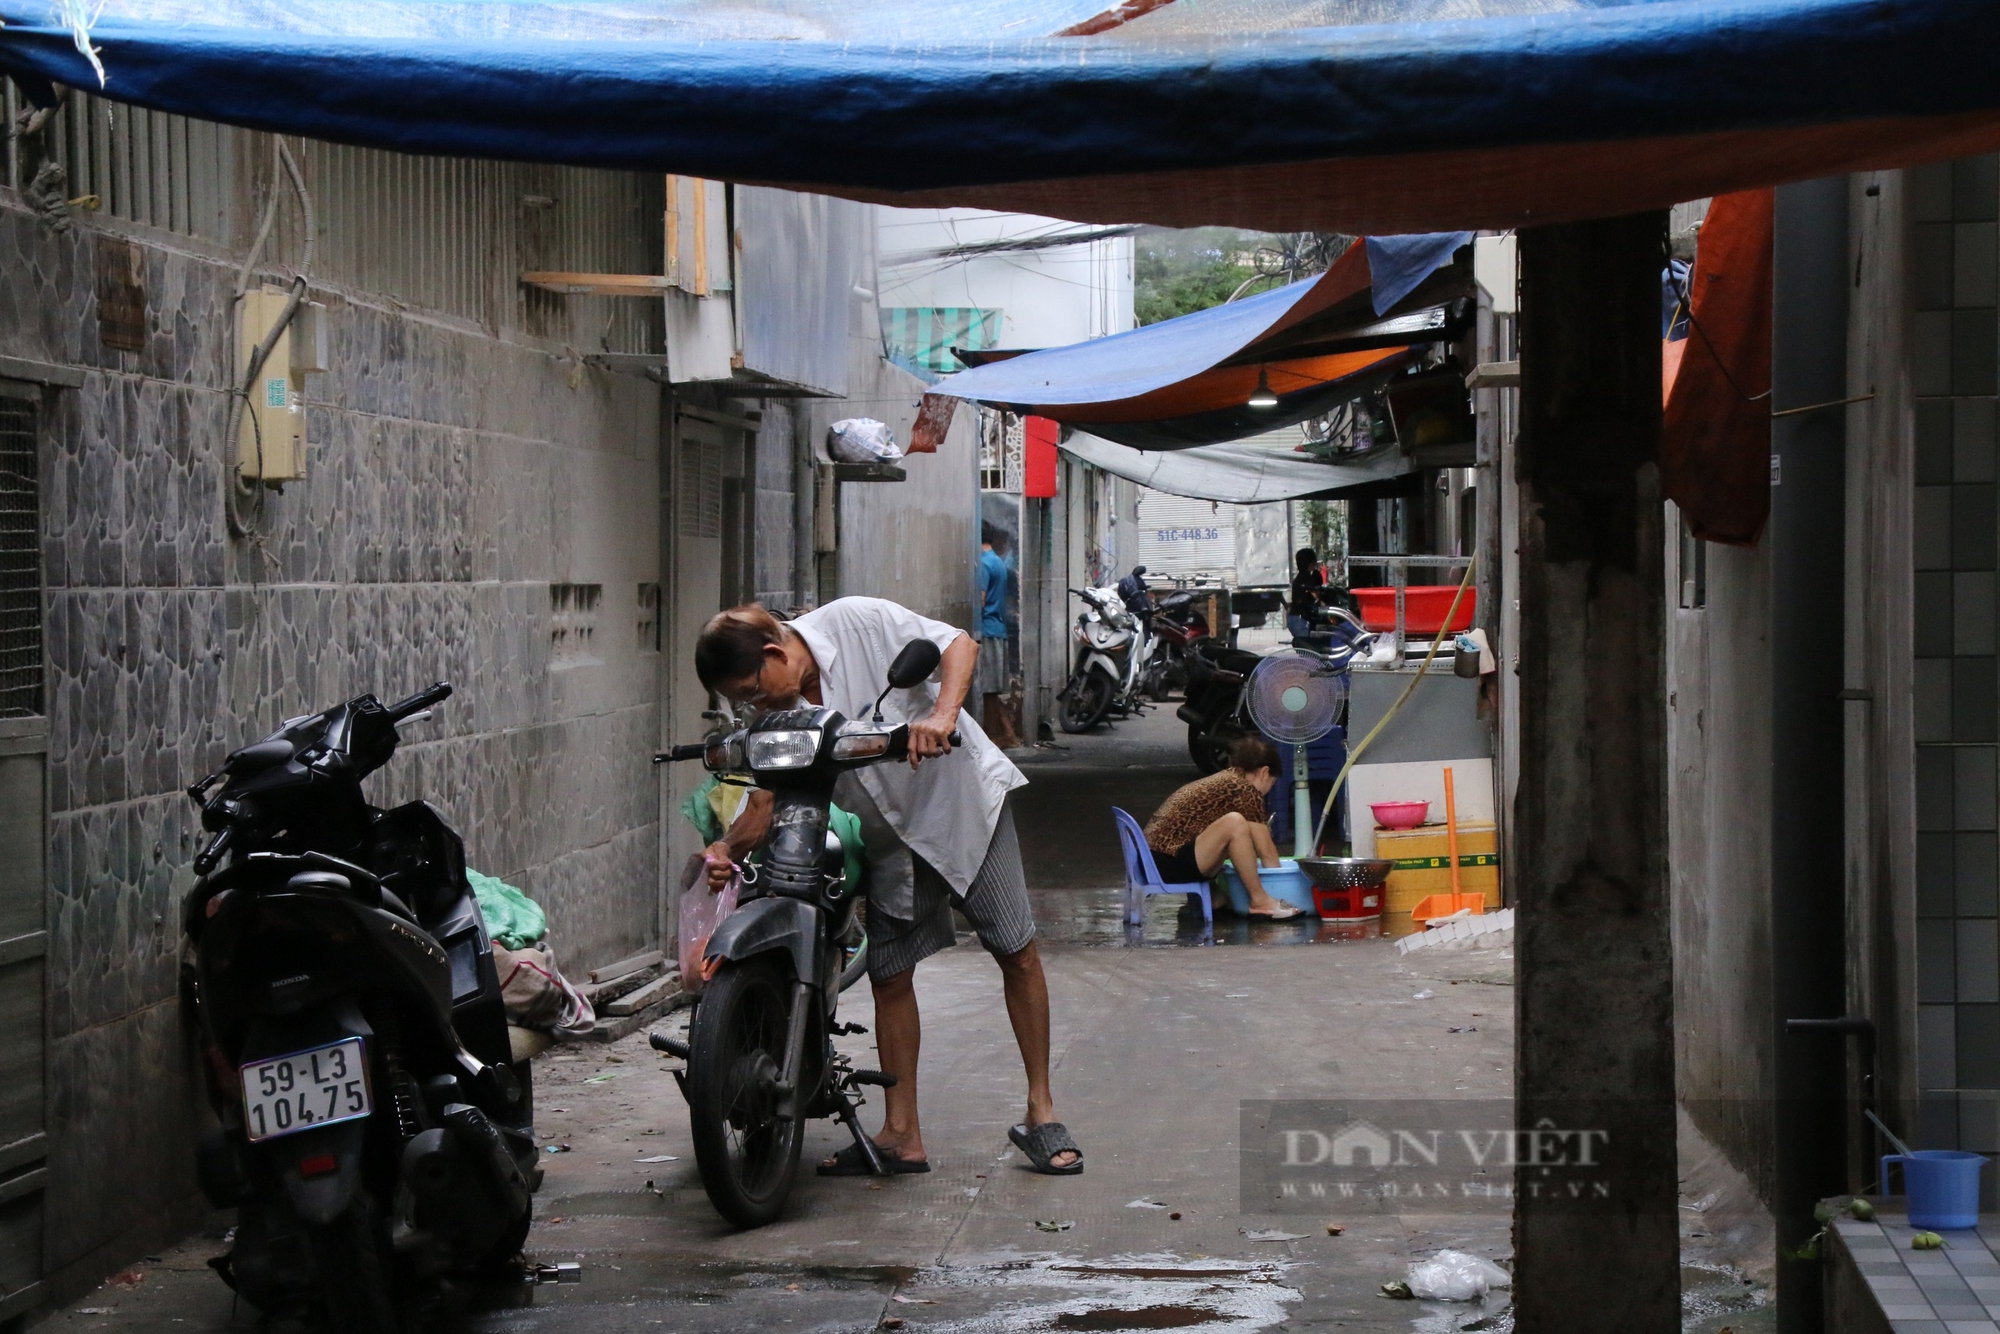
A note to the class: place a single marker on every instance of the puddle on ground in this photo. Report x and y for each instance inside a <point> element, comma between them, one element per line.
<point>1263,1273</point>
<point>1714,1297</point>
<point>1097,917</point>
<point>1150,1317</point>
<point>1125,1292</point>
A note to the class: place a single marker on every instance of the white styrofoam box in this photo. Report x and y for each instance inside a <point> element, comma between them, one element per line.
<point>1481,931</point>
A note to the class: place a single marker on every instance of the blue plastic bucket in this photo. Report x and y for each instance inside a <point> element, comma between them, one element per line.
<point>1284,882</point>
<point>1942,1185</point>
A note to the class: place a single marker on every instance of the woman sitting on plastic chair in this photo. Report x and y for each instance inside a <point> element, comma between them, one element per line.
<point>1222,818</point>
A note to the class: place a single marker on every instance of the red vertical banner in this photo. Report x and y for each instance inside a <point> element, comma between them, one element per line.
<point>1038,461</point>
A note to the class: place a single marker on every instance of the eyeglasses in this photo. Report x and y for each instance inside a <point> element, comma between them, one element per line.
<point>757,697</point>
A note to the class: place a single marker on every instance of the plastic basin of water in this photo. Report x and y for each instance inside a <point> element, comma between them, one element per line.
<point>1285,882</point>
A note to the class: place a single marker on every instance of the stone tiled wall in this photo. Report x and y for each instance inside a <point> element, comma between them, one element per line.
<point>1955,369</point>
<point>454,474</point>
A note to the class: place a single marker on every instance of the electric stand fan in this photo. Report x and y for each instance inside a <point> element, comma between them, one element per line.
<point>1294,697</point>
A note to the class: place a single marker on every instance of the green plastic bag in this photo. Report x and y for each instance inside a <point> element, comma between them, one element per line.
<point>512,918</point>
<point>846,824</point>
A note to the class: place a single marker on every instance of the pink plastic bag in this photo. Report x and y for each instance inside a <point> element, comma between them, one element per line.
<point>701,912</point>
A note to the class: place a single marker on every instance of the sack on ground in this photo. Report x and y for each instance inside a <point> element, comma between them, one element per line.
<point>862,440</point>
<point>538,996</point>
<point>1454,1276</point>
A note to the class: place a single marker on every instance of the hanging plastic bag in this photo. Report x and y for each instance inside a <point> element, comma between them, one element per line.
<point>862,440</point>
<point>1454,1276</point>
<point>701,912</point>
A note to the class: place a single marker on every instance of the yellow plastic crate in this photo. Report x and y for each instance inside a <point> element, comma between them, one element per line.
<point>1422,869</point>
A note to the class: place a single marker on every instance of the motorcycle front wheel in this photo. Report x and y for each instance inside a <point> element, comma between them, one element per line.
<point>747,1153</point>
<point>1085,703</point>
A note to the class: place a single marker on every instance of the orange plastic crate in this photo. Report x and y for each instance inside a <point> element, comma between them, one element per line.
<point>1423,608</point>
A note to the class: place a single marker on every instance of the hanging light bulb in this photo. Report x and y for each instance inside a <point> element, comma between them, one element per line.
<point>1263,398</point>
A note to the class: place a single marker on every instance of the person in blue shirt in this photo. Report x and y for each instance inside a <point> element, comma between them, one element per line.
<point>994,678</point>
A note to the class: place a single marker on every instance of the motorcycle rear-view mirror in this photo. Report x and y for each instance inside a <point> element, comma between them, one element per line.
<point>912,667</point>
<point>914,664</point>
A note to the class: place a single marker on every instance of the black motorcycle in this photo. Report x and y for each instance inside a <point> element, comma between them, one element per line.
<point>1178,624</point>
<point>1213,710</point>
<point>1213,707</point>
<point>760,1055</point>
<point>376,1135</point>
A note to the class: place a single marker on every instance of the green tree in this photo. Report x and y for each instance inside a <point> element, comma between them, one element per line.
<point>1178,272</point>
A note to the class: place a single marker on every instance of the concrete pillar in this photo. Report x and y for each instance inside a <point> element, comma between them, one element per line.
<point>1811,273</point>
<point>1595,1222</point>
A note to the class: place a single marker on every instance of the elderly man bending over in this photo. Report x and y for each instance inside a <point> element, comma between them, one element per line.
<point>933,840</point>
<point>1222,817</point>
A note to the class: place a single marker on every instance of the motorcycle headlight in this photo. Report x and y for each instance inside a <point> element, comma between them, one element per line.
<point>768,751</point>
<point>861,746</point>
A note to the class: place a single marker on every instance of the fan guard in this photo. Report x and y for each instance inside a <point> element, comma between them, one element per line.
<point>1294,697</point>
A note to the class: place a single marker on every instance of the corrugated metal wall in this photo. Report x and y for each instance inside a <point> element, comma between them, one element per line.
<point>1183,538</point>
<point>442,235</point>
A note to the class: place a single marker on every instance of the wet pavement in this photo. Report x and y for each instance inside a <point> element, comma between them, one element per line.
<point>1160,1032</point>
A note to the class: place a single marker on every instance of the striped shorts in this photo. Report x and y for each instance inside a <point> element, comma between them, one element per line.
<point>996,903</point>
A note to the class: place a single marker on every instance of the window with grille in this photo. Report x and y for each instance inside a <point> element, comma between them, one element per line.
<point>20,562</point>
<point>1002,451</point>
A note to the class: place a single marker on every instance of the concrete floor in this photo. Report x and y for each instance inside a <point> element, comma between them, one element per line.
<point>1159,1035</point>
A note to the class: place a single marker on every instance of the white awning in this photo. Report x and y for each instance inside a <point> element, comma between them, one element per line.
<point>1244,472</point>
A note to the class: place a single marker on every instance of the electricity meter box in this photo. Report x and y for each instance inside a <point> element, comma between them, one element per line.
<point>271,443</point>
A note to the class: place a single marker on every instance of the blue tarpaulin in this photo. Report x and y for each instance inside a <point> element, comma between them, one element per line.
<point>1362,115</point>
<point>1396,264</point>
<point>1125,366</point>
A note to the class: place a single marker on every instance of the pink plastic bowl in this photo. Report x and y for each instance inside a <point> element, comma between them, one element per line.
<point>1400,814</point>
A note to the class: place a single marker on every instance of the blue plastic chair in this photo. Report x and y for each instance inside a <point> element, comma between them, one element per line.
<point>1142,874</point>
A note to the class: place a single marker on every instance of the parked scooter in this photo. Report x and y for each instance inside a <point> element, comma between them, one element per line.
<point>760,1055</point>
<point>376,1135</point>
<point>1213,710</point>
<point>1177,622</point>
<point>1110,657</point>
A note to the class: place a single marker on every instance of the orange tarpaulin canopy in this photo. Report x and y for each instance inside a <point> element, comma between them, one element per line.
<point>1715,438</point>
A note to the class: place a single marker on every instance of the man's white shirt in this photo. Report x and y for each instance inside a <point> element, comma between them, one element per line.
<point>945,811</point>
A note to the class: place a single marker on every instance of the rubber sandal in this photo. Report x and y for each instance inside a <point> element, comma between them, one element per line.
<point>848,1162</point>
<point>1284,914</point>
<point>1043,1143</point>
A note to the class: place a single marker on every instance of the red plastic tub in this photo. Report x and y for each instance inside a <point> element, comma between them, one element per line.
<point>1423,608</point>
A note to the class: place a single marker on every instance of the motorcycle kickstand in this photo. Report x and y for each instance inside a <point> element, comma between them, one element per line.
<point>851,1117</point>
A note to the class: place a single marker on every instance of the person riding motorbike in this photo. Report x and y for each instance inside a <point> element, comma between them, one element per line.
<point>932,840</point>
<point>1311,594</point>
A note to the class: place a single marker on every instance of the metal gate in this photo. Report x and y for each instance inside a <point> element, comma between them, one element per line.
<point>24,743</point>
